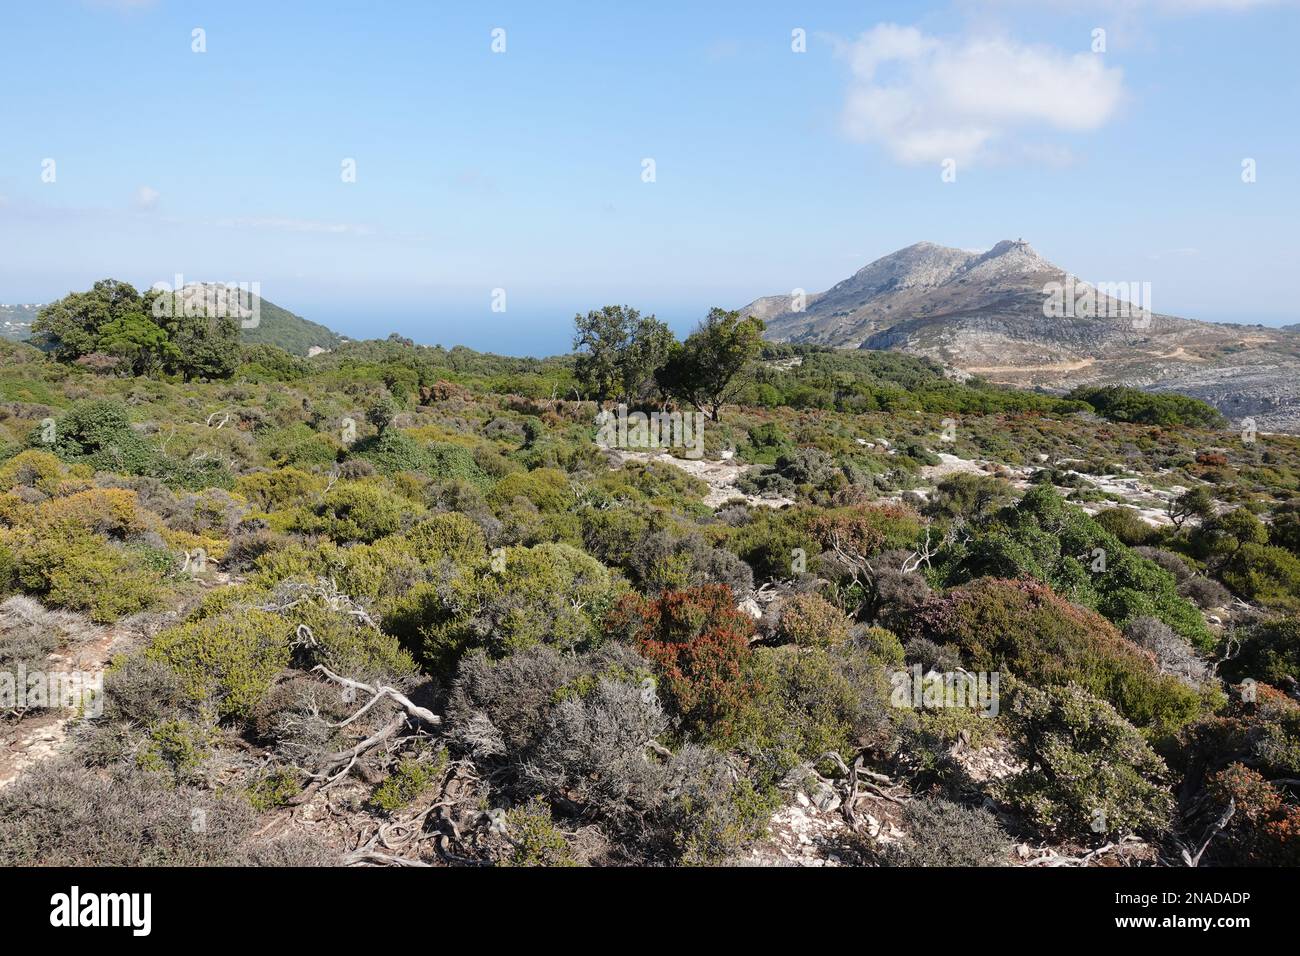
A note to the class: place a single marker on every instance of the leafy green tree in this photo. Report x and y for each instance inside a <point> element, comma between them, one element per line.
<point>201,346</point>
<point>150,331</point>
<point>619,351</point>
<point>970,497</point>
<point>1222,536</point>
<point>706,370</point>
<point>136,340</point>
<point>381,414</point>
<point>1194,503</point>
<point>72,326</point>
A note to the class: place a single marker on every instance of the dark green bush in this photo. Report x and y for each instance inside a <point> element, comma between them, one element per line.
<point>1089,773</point>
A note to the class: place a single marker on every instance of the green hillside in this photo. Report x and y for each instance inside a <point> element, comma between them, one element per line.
<point>276,326</point>
<point>290,332</point>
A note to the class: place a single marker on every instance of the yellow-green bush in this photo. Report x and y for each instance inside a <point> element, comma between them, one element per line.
<point>551,593</point>
<point>360,511</point>
<point>547,488</point>
<point>113,512</point>
<point>809,620</point>
<point>409,779</point>
<point>82,572</point>
<point>279,487</point>
<point>535,839</point>
<point>227,661</point>
<point>176,747</point>
<point>34,469</point>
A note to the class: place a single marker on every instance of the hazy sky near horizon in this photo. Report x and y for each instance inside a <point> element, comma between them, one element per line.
<point>524,170</point>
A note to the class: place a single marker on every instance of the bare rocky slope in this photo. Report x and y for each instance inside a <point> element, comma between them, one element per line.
<point>985,313</point>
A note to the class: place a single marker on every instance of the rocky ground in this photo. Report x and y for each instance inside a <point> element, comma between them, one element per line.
<point>720,476</point>
<point>37,734</point>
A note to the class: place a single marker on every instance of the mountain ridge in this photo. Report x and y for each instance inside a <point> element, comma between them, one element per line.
<point>989,313</point>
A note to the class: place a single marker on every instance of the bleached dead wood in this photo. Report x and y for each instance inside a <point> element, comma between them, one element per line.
<point>380,692</point>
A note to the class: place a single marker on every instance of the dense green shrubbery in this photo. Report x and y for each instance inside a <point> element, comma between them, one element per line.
<point>1045,538</point>
<point>1270,652</point>
<point>552,594</point>
<point>226,661</point>
<point>1147,408</point>
<point>98,433</point>
<point>623,673</point>
<point>1089,773</point>
<point>82,552</point>
<point>354,511</point>
<point>1025,628</point>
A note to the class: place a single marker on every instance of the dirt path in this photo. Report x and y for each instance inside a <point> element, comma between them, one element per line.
<point>1010,369</point>
<point>720,476</point>
<point>43,733</point>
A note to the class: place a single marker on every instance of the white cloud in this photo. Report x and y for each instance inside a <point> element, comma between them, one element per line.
<point>929,98</point>
<point>146,197</point>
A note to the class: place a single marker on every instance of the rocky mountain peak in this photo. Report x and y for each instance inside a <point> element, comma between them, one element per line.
<point>984,312</point>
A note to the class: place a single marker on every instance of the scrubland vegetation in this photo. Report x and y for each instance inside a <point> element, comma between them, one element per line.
<point>394,603</point>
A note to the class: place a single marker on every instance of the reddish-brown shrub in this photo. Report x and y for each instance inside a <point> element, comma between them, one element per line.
<point>699,645</point>
<point>866,530</point>
<point>1263,830</point>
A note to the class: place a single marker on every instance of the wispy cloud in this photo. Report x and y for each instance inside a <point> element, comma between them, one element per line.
<point>928,98</point>
<point>146,197</point>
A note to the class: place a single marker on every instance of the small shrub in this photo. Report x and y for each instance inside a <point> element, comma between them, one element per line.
<point>941,833</point>
<point>1127,525</point>
<point>409,779</point>
<point>1264,830</point>
<point>357,511</point>
<point>810,620</point>
<point>551,593</point>
<point>273,789</point>
<point>177,748</point>
<point>593,751</point>
<point>1269,652</point>
<point>228,660</point>
<point>1023,627</point>
<point>699,645</point>
<point>77,817</point>
<point>1089,773</point>
<point>534,838</point>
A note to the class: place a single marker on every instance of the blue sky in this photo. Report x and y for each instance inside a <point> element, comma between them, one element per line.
<point>523,170</point>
